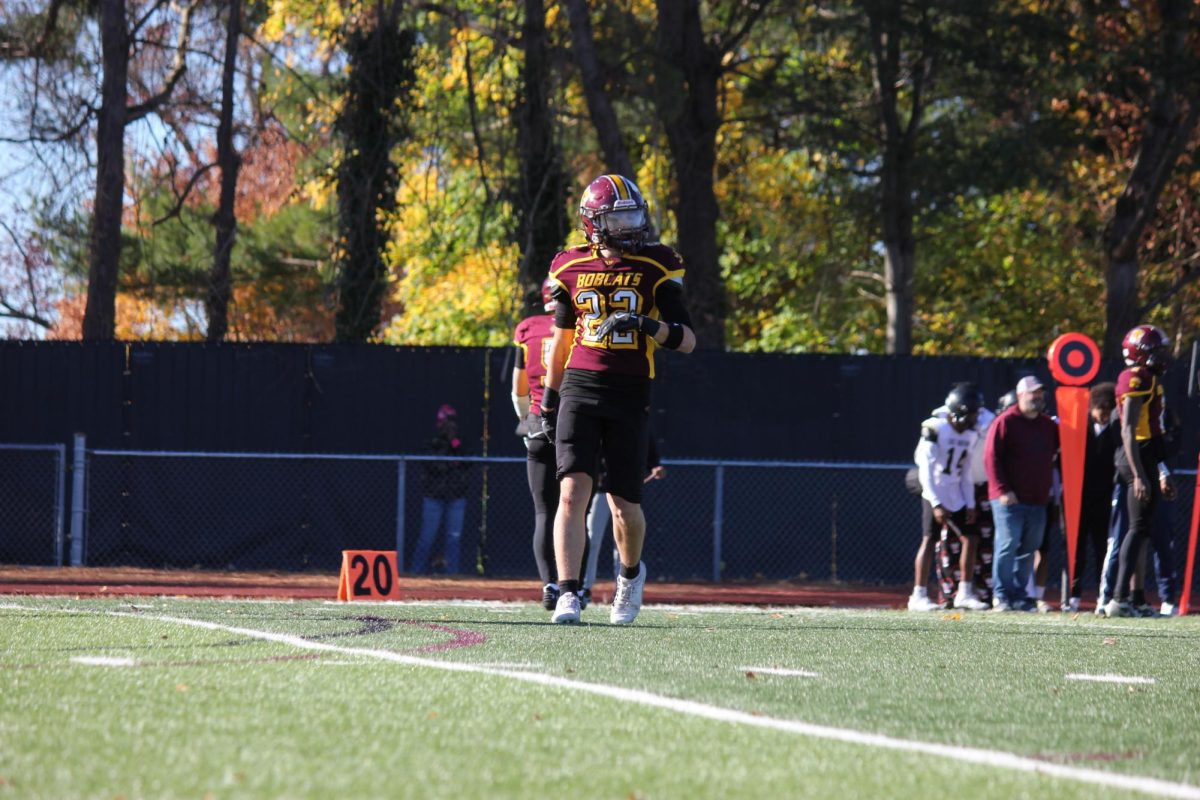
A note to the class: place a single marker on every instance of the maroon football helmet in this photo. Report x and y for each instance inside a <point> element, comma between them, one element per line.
<point>613,214</point>
<point>548,301</point>
<point>1146,346</point>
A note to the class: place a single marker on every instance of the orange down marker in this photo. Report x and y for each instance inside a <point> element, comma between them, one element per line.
<point>1074,361</point>
<point>1185,595</point>
<point>368,575</point>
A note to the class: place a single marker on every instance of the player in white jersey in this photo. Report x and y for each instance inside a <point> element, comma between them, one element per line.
<point>948,553</point>
<point>943,458</point>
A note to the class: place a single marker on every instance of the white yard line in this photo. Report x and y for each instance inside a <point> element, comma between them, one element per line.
<point>794,673</point>
<point>1078,676</point>
<point>104,661</point>
<point>971,755</point>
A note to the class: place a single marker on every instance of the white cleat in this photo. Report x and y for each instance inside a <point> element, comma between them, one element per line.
<point>566,610</point>
<point>627,601</point>
<point>970,602</point>
<point>921,602</point>
<point>1169,610</point>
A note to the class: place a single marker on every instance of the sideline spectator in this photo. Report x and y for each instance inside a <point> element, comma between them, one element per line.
<point>620,299</point>
<point>1021,447</point>
<point>943,458</point>
<point>445,495</point>
<point>1141,406</point>
<point>599,515</point>
<point>1095,507</point>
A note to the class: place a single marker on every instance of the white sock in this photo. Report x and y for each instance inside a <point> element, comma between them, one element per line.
<point>920,591</point>
<point>1039,592</point>
<point>964,588</point>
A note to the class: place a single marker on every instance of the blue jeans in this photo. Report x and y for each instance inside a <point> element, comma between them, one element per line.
<point>1161,536</point>
<point>1019,531</point>
<point>433,511</point>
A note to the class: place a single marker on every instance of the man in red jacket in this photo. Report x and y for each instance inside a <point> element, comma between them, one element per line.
<point>1019,458</point>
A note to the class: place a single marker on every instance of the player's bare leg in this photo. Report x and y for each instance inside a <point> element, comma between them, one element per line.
<point>922,564</point>
<point>570,531</point>
<point>629,531</point>
<point>966,560</point>
<point>965,598</point>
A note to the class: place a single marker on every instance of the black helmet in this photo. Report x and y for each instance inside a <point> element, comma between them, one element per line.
<point>962,402</point>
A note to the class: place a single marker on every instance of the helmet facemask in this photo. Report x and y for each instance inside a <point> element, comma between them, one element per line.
<point>625,229</point>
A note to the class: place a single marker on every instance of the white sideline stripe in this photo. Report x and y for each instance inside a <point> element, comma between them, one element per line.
<point>798,673</point>
<point>970,755</point>
<point>512,665</point>
<point>1079,676</point>
<point>104,661</point>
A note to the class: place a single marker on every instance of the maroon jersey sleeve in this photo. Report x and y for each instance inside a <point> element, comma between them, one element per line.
<point>532,337</point>
<point>596,288</point>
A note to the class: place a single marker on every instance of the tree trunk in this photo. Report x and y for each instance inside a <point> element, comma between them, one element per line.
<point>604,119</point>
<point>380,66</point>
<point>99,318</point>
<point>543,187</point>
<point>895,184</point>
<point>1166,133</point>
<point>686,76</point>
<point>219,285</point>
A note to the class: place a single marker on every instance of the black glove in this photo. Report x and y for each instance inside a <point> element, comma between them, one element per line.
<point>549,423</point>
<point>549,408</point>
<point>620,322</point>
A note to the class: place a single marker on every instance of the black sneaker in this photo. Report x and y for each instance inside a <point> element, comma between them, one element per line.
<point>549,596</point>
<point>585,597</point>
<point>1145,610</point>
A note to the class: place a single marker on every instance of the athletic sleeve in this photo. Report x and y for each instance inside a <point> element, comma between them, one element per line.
<point>564,313</point>
<point>670,303</point>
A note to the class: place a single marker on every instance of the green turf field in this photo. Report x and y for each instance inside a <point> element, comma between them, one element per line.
<point>152,698</point>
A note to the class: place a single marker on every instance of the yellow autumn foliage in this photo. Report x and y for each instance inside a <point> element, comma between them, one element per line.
<point>472,302</point>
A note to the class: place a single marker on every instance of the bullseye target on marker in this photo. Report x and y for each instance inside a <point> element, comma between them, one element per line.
<point>1074,359</point>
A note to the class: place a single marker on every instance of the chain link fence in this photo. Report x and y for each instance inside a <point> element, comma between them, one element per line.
<point>707,520</point>
<point>32,503</point>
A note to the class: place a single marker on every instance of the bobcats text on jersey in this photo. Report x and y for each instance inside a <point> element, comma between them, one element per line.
<point>590,288</point>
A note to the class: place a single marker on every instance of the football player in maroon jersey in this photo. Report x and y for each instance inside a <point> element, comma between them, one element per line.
<point>1141,407</point>
<point>532,337</point>
<point>620,297</point>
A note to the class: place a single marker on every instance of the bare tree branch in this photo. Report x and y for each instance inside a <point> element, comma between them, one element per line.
<point>149,106</point>
<point>182,197</point>
<point>7,309</point>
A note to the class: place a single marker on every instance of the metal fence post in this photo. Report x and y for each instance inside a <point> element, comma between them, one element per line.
<point>401,470</point>
<point>60,498</point>
<point>718,520</point>
<point>78,484</point>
